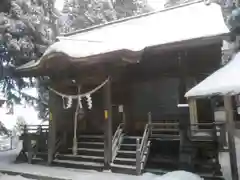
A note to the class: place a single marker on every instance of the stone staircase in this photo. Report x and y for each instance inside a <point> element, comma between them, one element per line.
<point>90,154</point>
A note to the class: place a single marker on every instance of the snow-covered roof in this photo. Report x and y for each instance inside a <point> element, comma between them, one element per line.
<point>224,81</point>
<point>192,21</point>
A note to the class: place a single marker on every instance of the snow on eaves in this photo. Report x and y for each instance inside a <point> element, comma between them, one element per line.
<point>192,21</point>
<point>224,81</point>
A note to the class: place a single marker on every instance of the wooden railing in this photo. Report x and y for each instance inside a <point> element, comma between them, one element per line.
<point>142,150</point>
<point>35,128</point>
<point>116,141</point>
<point>30,137</point>
<point>198,131</point>
<point>209,132</point>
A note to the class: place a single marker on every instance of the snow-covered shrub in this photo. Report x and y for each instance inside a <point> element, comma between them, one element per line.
<point>180,175</point>
<point>18,128</point>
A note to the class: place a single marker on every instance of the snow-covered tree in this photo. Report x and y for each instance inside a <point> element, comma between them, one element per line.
<point>28,27</point>
<point>80,14</point>
<point>3,130</point>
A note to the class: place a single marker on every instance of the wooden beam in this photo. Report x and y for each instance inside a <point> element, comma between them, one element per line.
<point>108,125</point>
<point>231,139</point>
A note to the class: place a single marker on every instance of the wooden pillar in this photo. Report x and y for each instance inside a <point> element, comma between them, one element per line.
<point>52,128</point>
<point>108,125</point>
<point>186,149</point>
<point>75,143</point>
<point>231,140</point>
<point>193,112</point>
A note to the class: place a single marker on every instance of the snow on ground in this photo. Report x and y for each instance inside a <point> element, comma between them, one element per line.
<point>7,177</point>
<point>92,175</point>
<point>8,157</point>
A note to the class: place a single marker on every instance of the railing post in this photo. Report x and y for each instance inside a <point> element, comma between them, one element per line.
<point>149,118</point>
<point>224,134</point>
<point>222,137</point>
<point>150,122</point>
<point>29,146</point>
<point>138,158</point>
<point>25,129</point>
<point>11,141</point>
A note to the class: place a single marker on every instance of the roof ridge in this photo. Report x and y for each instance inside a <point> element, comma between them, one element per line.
<point>129,18</point>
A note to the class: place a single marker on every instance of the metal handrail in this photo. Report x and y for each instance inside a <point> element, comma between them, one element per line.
<point>116,132</point>
<point>141,157</point>
<point>144,139</point>
<point>116,140</point>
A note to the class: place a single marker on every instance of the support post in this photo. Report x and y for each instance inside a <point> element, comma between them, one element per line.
<point>108,125</point>
<point>29,147</point>
<point>138,158</point>
<point>193,112</point>
<point>222,137</point>
<point>75,143</point>
<point>52,129</point>
<point>231,140</point>
<point>186,149</point>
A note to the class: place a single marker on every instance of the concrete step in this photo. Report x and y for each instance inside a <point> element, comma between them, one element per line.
<point>90,151</point>
<point>165,136</point>
<point>123,166</point>
<point>87,158</point>
<point>90,138</point>
<point>128,147</point>
<point>164,130</point>
<point>126,154</point>
<point>123,169</point>
<point>131,139</point>
<point>125,161</point>
<point>90,145</point>
<point>79,164</point>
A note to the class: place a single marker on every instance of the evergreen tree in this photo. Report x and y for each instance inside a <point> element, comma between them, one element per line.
<point>28,27</point>
<point>80,14</point>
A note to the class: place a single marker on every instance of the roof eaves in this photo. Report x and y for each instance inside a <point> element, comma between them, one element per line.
<point>129,18</point>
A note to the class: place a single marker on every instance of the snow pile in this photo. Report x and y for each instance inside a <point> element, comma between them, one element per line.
<point>179,175</point>
<point>7,177</point>
<point>176,175</point>
<point>8,157</point>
